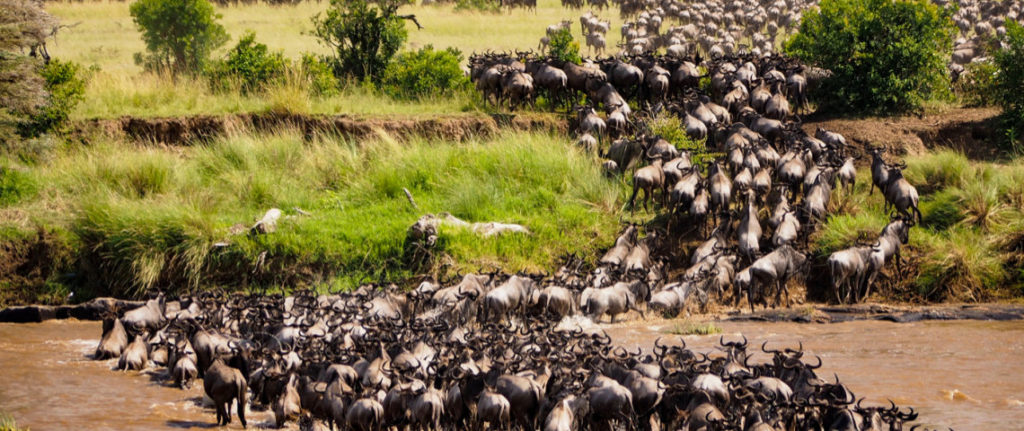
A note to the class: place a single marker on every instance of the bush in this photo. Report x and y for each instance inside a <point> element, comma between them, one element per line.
<point>250,64</point>
<point>23,25</point>
<point>478,5</point>
<point>671,129</point>
<point>65,84</point>
<point>425,73</point>
<point>15,185</point>
<point>976,85</point>
<point>1009,83</point>
<point>364,36</point>
<point>564,48</point>
<point>886,56</point>
<point>317,73</point>
<point>179,34</point>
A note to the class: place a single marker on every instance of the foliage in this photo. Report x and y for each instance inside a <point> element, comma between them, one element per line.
<point>250,64</point>
<point>1009,84</point>
<point>492,6</point>
<point>318,75</point>
<point>143,217</point>
<point>15,185</point>
<point>65,86</point>
<point>24,25</point>
<point>425,73</point>
<point>671,129</point>
<point>968,246</point>
<point>885,55</point>
<point>564,48</point>
<point>364,36</point>
<point>976,85</point>
<point>179,34</point>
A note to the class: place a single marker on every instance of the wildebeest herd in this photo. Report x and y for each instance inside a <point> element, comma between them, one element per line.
<point>458,356</point>
<point>762,187</point>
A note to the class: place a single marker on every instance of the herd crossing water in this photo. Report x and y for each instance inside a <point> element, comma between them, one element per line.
<point>954,373</point>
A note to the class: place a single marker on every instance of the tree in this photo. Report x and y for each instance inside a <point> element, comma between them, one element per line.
<point>179,34</point>
<point>885,55</point>
<point>365,35</point>
<point>24,26</point>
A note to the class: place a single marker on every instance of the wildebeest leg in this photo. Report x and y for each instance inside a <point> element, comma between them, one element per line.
<point>899,265</point>
<point>750,295</point>
<point>241,405</point>
<point>221,413</point>
<point>632,199</point>
<point>836,286</point>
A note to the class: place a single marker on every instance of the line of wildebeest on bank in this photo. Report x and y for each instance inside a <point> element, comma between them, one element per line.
<point>755,204</point>
<point>484,351</point>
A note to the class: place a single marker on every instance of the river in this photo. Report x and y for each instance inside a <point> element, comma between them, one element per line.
<point>968,375</point>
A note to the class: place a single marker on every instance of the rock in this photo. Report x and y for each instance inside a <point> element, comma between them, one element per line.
<point>27,314</point>
<point>268,223</point>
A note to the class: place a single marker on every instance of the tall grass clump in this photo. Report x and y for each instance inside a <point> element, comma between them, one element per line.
<point>968,246</point>
<point>7,423</point>
<point>144,217</point>
<point>941,169</point>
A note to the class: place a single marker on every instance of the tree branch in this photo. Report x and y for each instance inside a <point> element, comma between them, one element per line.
<point>411,18</point>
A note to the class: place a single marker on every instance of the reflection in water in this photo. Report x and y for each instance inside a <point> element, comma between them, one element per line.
<point>966,375</point>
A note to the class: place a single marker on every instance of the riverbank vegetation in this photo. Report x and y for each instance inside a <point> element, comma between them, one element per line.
<point>131,217</point>
<point>117,216</point>
<point>969,244</point>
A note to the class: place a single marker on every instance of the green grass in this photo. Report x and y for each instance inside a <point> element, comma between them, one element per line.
<point>690,327</point>
<point>969,244</point>
<point>102,34</point>
<point>141,217</point>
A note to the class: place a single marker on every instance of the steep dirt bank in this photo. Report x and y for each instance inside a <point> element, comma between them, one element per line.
<point>186,130</point>
<point>968,130</point>
<point>964,129</point>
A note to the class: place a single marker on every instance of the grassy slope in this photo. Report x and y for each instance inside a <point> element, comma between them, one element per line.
<point>137,217</point>
<point>969,246</point>
<point>102,34</point>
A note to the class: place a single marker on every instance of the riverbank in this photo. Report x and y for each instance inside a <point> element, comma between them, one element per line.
<point>97,308</point>
<point>136,203</point>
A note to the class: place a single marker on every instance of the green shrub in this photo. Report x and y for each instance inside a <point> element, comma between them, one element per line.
<point>249,64</point>
<point>425,73</point>
<point>364,36</point>
<point>478,5</point>
<point>65,85</point>
<point>671,129</point>
<point>564,48</point>
<point>15,185</point>
<point>1009,84</point>
<point>885,55</point>
<point>317,73</point>
<point>179,34</point>
<point>976,85</point>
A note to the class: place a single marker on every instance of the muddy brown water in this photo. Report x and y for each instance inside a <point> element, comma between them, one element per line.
<point>967,375</point>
